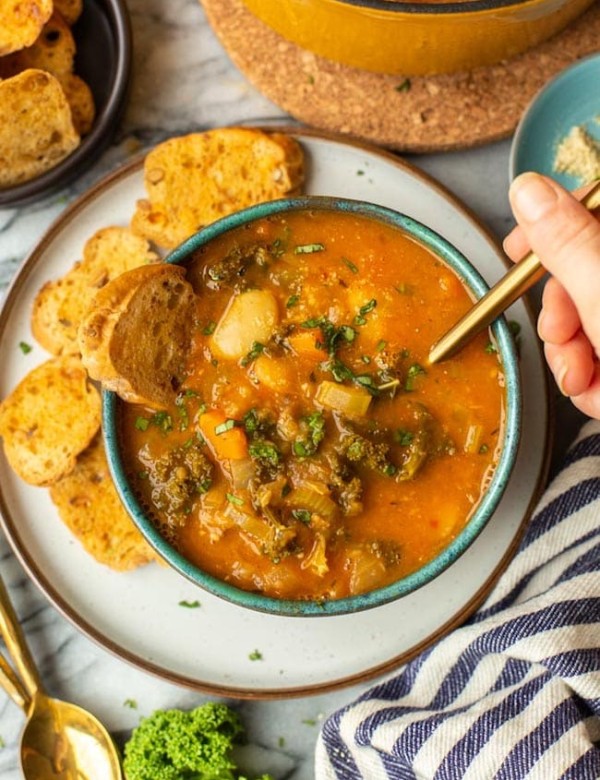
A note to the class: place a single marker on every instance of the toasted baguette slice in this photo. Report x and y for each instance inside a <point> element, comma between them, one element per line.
<point>53,51</point>
<point>81,102</point>
<point>60,305</point>
<point>137,333</point>
<point>48,419</point>
<point>70,10</point>
<point>89,506</point>
<point>36,128</point>
<point>196,179</point>
<point>21,23</point>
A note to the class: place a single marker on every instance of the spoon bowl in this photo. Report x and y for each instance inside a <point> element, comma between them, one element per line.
<point>63,740</point>
<point>60,740</point>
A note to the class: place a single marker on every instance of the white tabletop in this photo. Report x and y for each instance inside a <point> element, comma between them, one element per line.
<point>184,81</point>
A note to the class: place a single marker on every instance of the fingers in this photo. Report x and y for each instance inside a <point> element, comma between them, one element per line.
<point>572,364</point>
<point>558,321</point>
<point>566,238</point>
<point>588,401</point>
<point>516,244</point>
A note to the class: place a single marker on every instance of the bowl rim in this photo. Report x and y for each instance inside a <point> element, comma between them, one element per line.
<point>98,138</point>
<point>475,283</point>
<point>454,7</point>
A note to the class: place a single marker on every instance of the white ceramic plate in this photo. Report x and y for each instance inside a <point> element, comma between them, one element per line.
<point>137,615</point>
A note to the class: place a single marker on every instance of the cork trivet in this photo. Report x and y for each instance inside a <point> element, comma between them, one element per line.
<point>422,114</point>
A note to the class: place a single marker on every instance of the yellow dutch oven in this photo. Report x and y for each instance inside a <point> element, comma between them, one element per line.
<point>417,38</point>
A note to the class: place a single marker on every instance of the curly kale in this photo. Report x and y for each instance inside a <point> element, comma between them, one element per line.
<point>178,745</point>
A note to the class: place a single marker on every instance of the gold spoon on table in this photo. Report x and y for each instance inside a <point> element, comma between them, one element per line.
<point>60,741</point>
<point>523,275</point>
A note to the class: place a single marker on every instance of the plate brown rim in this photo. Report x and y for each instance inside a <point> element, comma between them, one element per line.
<point>80,622</point>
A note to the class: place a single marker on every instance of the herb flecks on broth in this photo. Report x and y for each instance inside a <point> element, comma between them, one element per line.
<point>317,454</point>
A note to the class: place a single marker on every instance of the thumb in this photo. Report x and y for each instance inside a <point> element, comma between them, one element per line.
<point>566,238</point>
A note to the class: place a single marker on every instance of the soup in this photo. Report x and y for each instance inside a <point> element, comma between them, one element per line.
<point>312,452</point>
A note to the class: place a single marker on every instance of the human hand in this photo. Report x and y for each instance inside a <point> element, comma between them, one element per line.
<point>566,238</point>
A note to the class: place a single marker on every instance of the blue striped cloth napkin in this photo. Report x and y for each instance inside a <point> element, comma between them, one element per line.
<point>515,692</point>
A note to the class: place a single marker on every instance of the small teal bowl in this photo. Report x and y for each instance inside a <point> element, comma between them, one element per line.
<point>569,100</point>
<point>509,446</point>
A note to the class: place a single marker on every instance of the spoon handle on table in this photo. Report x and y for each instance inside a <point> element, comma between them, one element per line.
<point>523,275</point>
<point>14,638</point>
<point>12,686</point>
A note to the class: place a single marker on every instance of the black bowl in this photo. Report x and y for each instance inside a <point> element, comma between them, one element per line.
<point>103,59</point>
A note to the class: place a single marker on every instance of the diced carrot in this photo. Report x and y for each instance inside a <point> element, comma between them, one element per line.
<point>227,444</point>
<point>304,344</point>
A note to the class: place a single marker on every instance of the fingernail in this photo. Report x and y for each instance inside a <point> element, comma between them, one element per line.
<point>560,372</point>
<point>532,197</point>
<point>540,324</point>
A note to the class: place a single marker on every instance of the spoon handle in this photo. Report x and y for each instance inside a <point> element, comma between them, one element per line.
<point>522,275</point>
<point>10,682</point>
<point>14,638</point>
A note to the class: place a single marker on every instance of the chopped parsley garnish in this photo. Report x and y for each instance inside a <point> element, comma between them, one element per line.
<point>403,437</point>
<point>162,420</point>
<point>360,318</point>
<point>369,306</point>
<point>314,428</point>
<point>256,350</point>
<point>141,423</point>
<point>226,426</point>
<point>235,500</point>
<point>308,249</point>
<point>365,359</point>
<point>381,345</point>
<point>350,265</point>
<point>209,328</point>
<point>190,604</point>
<point>292,301</point>
<point>255,655</point>
<point>331,334</point>
<point>25,347</point>
<point>131,703</point>
<point>309,722</point>
<point>303,515</point>
<point>404,86</point>
<point>483,449</point>
<point>490,348</point>
<point>414,371</point>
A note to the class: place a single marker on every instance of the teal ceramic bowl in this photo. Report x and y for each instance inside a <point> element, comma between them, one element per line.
<point>569,100</point>
<point>482,513</point>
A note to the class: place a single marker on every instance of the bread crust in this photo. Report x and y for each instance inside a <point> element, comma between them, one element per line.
<point>139,358</point>
<point>194,180</point>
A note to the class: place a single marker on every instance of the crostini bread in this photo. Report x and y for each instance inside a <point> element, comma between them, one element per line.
<point>48,419</point>
<point>89,506</point>
<point>194,180</point>
<point>61,304</point>
<point>136,335</point>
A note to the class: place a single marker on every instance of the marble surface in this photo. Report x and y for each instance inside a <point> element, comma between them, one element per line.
<point>184,81</point>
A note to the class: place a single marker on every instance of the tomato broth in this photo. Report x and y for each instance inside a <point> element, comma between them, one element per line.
<point>312,452</point>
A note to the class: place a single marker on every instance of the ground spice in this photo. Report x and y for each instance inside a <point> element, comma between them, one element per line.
<point>578,154</point>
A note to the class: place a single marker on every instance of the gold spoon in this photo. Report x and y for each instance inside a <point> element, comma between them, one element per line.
<point>523,275</point>
<point>60,741</point>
